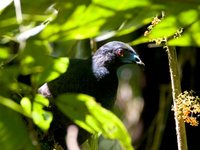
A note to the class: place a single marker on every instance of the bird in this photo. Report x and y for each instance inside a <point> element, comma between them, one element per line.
<point>95,76</point>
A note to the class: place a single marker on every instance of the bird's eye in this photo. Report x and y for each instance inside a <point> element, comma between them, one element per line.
<point>120,52</point>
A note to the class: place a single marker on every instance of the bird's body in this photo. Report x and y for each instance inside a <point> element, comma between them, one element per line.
<point>80,78</point>
<point>95,76</point>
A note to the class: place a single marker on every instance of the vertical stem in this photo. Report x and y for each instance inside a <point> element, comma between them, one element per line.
<point>176,90</point>
<point>18,11</point>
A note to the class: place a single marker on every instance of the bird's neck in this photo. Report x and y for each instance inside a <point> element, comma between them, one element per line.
<point>101,67</point>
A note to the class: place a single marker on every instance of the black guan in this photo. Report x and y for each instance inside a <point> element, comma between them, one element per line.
<point>95,76</point>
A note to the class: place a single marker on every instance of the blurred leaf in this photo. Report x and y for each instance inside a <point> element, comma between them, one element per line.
<point>167,27</point>
<point>4,4</point>
<point>97,18</point>
<point>109,144</point>
<point>189,37</point>
<point>13,133</point>
<point>55,69</point>
<point>140,40</point>
<point>85,112</point>
<point>32,17</point>
<point>4,53</point>
<point>121,5</point>
<point>41,117</point>
<point>91,143</point>
<point>35,57</point>
<point>11,104</point>
<point>134,22</point>
<point>84,23</point>
<point>36,60</point>
<point>26,105</point>
<point>186,16</point>
<point>37,29</point>
<point>9,85</point>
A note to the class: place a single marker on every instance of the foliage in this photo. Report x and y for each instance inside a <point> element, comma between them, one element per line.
<point>85,112</point>
<point>52,27</point>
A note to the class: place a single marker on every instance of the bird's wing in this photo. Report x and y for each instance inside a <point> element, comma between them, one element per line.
<point>77,79</point>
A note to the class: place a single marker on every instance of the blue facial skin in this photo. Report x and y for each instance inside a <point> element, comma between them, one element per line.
<point>130,57</point>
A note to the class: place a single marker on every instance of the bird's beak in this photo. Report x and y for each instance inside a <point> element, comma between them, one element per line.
<point>137,60</point>
<point>132,57</point>
<point>140,63</point>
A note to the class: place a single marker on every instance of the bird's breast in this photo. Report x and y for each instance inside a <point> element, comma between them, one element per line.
<point>106,90</point>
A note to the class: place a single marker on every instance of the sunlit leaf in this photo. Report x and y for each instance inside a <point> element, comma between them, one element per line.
<point>165,28</point>
<point>190,36</point>
<point>4,53</point>
<point>11,104</point>
<point>35,57</point>
<point>41,117</point>
<point>88,114</point>
<point>122,5</point>
<point>140,40</point>
<point>35,60</point>
<point>55,69</point>
<point>188,17</point>
<point>84,23</point>
<point>26,105</point>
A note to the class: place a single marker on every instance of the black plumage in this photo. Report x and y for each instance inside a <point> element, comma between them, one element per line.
<point>95,76</point>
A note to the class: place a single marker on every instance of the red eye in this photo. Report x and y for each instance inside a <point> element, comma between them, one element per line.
<point>120,52</point>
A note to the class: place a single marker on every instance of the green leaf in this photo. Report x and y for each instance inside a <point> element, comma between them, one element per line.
<point>140,40</point>
<point>41,117</point>
<point>26,105</point>
<point>36,60</point>
<point>109,144</point>
<point>189,37</point>
<point>13,132</point>
<point>83,23</point>
<point>4,53</point>
<point>91,143</point>
<point>165,28</point>
<point>88,114</point>
<point>11,104</point>
<point>35,57</point>
<point>8,75</point>
<point>54,70</point>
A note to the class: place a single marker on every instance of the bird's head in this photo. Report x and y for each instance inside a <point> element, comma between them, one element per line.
<point>116,53</point>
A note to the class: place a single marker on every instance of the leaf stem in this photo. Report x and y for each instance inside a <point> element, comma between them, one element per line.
<point>176,90</point>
